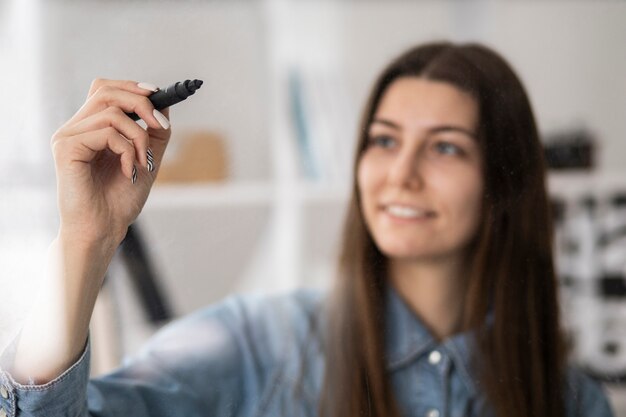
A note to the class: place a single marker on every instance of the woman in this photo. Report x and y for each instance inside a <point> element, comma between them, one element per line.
<point>446,296</point>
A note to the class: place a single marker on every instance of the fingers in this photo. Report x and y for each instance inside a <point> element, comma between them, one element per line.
<point>159,139</point>
<point>85,146</point>
<point>114,117</point>
<point>130,102</point>
<point>162,131</point>
<point>142,88</point>
<point>101,123</point>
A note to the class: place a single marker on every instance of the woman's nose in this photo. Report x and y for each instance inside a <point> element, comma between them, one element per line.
<point>405,170</point>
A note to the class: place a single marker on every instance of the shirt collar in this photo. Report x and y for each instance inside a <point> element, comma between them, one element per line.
<point>407,339</point>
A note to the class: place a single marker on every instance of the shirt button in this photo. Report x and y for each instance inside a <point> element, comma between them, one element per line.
<point>432,413</point>
<point>434,358</point>
<point>4,392</point>
<point>3,413</point>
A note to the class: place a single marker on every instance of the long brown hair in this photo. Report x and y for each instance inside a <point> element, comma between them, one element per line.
<point>511,273</point>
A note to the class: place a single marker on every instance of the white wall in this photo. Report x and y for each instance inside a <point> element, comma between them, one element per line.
<point>164,42</point>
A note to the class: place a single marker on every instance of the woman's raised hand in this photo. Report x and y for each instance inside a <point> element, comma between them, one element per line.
<point>106,163</point>
<point>95,155</point>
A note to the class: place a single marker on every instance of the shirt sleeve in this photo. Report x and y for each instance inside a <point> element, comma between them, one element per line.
<point>196,366</point>
<point>586,396</point>
<point>63,396</point>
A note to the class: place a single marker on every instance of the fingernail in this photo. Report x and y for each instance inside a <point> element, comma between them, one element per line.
<point>134,176</point>
<point>165,124</point>
<point>150,156</point>
<point>148,86</point>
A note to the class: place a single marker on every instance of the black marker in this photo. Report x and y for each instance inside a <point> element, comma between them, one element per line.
<point>173,94</point>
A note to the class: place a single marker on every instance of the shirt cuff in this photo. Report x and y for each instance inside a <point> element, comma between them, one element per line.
<point>64,395</point>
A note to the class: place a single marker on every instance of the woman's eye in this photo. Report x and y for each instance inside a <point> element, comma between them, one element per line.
<point>381,140</point>
<point>448,148</point>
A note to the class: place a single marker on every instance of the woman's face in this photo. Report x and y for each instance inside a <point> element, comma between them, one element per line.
<point>420,176</point>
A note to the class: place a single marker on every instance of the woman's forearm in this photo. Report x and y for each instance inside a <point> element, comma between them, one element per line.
<point>55,331</point>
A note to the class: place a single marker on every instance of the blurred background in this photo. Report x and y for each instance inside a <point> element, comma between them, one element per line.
<point>252,192</point>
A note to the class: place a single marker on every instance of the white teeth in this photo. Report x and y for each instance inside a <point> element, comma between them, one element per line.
<point>406,212</point>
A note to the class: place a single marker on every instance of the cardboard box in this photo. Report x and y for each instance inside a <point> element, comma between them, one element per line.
<point>201,157</point>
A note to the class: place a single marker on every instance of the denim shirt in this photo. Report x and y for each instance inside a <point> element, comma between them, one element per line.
<point>260,356</point>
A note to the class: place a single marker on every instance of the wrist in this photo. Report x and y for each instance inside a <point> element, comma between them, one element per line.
<point>101,245</point>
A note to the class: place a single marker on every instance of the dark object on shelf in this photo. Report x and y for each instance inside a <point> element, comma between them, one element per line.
<point>613,286</point>
<point>612,236</point>
<point>133,252</point>
<point>570,150</point>
<point>609,364</point>
<point>618,200</point>
<point>589,202</point>
<point>568,281</point>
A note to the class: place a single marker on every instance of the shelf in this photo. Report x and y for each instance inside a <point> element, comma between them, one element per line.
<point>242,194</point>
<point>210,195</point>
<point>309,191</point>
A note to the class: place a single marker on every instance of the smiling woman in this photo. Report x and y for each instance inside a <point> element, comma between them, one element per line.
<point>445,302</point>
<point>450,214</point>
